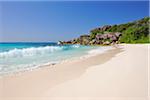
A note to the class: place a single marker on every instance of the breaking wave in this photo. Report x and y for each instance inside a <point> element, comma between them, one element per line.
<point>33,51</point>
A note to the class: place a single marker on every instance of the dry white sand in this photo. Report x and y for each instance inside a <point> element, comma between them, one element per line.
<point>119,74</point>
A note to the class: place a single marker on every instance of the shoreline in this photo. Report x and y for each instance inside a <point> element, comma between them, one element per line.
<point>118,74</point>
<point>92,52</point>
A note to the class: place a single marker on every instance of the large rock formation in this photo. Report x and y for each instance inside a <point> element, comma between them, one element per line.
<point>107,38</point>
<point>101,29</point>
<point>132,32</point>
<point>102,39</point>
<point>84,39</point>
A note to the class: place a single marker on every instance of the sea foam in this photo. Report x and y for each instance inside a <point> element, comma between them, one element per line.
<point>25,59</point>
<point>99,50</point>
<point>33,51</point>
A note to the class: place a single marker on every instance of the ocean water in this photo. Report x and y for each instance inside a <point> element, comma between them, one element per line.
<point>16,57</point>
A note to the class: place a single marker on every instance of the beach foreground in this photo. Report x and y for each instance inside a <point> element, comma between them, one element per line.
<point>118,74</point>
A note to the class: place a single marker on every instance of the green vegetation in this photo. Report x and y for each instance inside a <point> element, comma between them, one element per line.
<point>132,32</point>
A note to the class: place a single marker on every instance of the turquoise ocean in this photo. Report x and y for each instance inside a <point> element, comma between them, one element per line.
<point>16,57</point>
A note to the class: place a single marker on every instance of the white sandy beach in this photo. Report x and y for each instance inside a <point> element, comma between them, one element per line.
<point>118,74</point>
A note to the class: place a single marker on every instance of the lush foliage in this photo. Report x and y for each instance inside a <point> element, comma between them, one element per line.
<point>133,32</point>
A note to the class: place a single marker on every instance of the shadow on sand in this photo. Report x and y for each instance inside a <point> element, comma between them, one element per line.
<point>36,82</point>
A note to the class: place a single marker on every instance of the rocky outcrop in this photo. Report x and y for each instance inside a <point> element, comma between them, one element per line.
<point>101,29</point>
<point>105,28</point>
<point>101,39</point>
<point>84,39</point>
<point>65,42</point>
<point>132,32</point>
<point>108,38</point>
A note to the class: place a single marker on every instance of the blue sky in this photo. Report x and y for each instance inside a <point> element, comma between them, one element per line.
<point>53,21</point>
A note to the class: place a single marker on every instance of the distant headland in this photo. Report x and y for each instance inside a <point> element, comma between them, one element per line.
<point>131,32</point>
